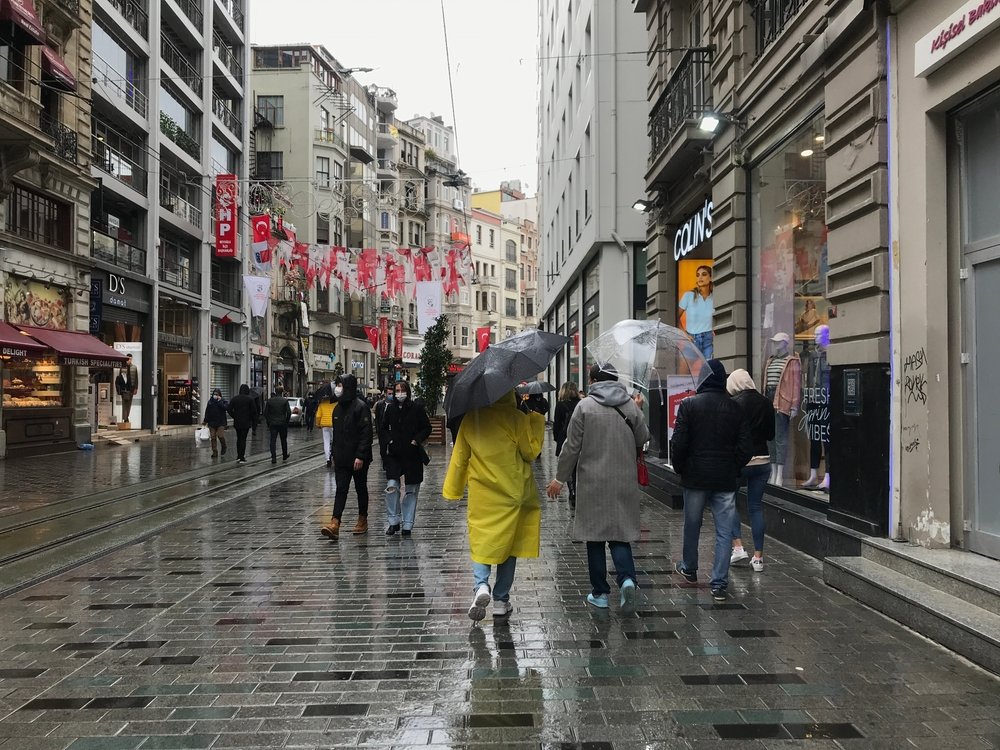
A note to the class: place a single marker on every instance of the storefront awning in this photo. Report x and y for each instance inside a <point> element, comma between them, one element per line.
<point>22,14</point>
<point>56,72</point>
<point>13,343</point>
<point>77,349</point>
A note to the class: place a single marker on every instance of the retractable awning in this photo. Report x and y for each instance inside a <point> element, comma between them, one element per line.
<point>55,71</point>
<point>77,349</point>
<point>13,343</point>
<point>24,17</point>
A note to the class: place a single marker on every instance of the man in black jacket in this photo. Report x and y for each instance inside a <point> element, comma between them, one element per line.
<point>352,452</point>
<point>277,415</point>
<point>243,410</point>
<point>710,446</point>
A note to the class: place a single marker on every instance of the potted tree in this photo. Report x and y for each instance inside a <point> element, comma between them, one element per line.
<point>434,360</point>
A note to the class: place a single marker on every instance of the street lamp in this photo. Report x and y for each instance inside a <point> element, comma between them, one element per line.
<point>710,121</point>
<point>643,206</point>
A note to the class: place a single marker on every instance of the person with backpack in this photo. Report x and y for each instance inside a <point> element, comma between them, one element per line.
<point>569,397</point>
<point>352,453</point>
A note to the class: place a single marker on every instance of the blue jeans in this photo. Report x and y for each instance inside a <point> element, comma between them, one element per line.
<point>755,478</point>
<point>705,343</point>
<point>723,506</point>
<point>504,580</point>
<point>405,512</point>
<point>597,564</point>
<point>779,446</point>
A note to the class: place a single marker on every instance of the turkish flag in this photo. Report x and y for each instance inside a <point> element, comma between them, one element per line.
<point>261,228</point>
<point>483,338</point>
<point>225,320</point>
<point>372,333</point>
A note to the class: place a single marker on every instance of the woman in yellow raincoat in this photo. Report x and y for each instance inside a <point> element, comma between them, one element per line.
<point>493,455</point>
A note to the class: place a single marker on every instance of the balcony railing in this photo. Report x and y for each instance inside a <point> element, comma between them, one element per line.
<point>117,252</point>
<point>180,275</point>
<point>771,17</point>
<point>193,11</point>
<point>178,135</point>
<point>687,96</point>
<point>228,57</point>
<point>387,165</point>
<point>72,6</point>
<point>226,292</point>
<point>185,69</point>
<point>135,13</point>
<point>118,165</point>
<point>386,129</point>
<point>180,207</point>
<point>229,118</point>
<point>64,139</point>
<point>328,135</point>
<point>235,10</point>
<point>104,74</point>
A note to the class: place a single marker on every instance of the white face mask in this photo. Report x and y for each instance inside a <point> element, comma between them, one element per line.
<point>338,391</point>
<point>401,397</point>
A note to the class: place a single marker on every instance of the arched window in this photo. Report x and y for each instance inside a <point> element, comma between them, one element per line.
<point>511,249</point>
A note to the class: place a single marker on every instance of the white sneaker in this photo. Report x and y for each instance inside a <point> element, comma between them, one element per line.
<point>480,601</point>
<point>502,609</point>
<point>739,554</point>
<point>757,563</point>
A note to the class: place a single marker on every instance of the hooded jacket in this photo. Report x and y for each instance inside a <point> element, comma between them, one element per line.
<point>564,411</point>
<point>402,424</point>
<point>759,412</point>
<point>711,442</point>
<point>352,426</point>
<point>243,409</point>
<point>215,413</point>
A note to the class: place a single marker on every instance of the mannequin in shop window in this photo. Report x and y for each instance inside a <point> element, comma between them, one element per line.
<point>697,306</point>
<point>817,398</point>
<point>782,379</point>
<point>127,385</point>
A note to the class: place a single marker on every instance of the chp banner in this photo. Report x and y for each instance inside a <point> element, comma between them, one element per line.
<point>261,242</point>
<point>372,333</point>
<point>259,290</point>
<point>225,216</point>
<point>428,304</point>
<point>383,338</point>
<point>397,343</point>
<point>483,338</point>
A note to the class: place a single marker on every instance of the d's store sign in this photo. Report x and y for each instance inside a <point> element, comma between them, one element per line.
<point>694,231</point>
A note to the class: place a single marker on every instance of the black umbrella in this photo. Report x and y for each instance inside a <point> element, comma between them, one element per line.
<point>535,387</point>
<point>500,368</point>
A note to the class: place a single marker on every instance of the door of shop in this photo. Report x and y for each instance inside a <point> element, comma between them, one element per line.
<point>976,130</point>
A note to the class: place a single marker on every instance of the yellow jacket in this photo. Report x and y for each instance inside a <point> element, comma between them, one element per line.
<point>324,413</point>
<point>493,455</point>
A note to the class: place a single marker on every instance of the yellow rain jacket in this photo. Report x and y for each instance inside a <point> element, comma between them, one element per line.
<point>324,413</point>
<point>493,455</point>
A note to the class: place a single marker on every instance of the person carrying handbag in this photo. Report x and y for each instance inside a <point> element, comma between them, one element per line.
<point>604,434</point>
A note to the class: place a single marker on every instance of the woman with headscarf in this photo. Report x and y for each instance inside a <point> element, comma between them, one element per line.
<point>492,456</point>
<point>759,413</point>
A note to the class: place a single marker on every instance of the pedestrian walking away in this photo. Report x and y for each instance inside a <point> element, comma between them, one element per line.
<point>604,434</point>
<point>493,452</point>
<point>759,413</point>
<point>243,410</point>
<point>277,415</point>
<point>352,453</point>
<point>215,420</point>
<point>380,406</point>
<point>403,429</point>
<point>309,412</point>
<point>710,446</point>
<point>324,420</point>
<point>569,397</point>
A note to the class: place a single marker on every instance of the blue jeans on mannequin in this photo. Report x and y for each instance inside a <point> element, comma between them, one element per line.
<point>755,478</point>
<point>597,565</point>
<point>504,578</point>
<point>404,512</point>
<point>723,505</point>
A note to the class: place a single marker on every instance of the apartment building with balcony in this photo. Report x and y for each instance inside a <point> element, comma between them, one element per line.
<point>45,214</point>
<point>169,114</point>
<point>591,158</point>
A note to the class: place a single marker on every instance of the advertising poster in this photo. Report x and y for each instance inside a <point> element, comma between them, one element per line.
<point>383,338</point>
<point>225,215</point>
<point>695,302</point>
<point>135,413</point>
<point>31,303</point>
<point>678,389</point>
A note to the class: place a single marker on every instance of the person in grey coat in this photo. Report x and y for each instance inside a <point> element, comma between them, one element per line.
<point>604,434</point>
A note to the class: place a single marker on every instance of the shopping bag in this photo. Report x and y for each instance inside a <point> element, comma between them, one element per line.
<point>201,435</point>
<point>641,469</point>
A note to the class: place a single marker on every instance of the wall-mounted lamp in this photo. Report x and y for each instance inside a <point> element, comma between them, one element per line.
<point>710,121</point>
<point>643,206</point>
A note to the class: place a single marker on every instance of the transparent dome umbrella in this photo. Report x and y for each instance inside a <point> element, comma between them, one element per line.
<point>646,353</point>
<point>534,387</point>
<point>500,368</point>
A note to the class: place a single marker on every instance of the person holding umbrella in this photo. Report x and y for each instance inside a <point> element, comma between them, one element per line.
<point>495,447</point>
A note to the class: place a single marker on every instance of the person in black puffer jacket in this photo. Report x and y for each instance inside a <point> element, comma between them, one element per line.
<point>710,446</point>
<point>243,409</point>
<point>215,420</point>
<point>352,452</point>
<point>403,428</point>
<point>277,415</point>
<point>569,397</point>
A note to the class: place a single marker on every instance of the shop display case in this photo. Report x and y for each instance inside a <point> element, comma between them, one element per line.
<point>183,401</point>
<point>32,384</point>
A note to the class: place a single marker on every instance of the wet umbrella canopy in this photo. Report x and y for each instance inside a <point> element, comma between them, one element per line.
<point>535,387</point>
<point>500,368</point>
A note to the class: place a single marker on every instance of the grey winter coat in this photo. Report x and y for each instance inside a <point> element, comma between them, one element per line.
<point>601,448</point>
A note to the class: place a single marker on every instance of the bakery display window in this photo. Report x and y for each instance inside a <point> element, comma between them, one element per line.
<point>32,383</point>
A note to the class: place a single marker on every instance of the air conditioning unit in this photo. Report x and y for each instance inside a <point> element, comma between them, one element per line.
<point>458,204</point>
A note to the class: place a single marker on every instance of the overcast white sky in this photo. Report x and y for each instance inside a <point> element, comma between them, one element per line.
<point>493,60</point>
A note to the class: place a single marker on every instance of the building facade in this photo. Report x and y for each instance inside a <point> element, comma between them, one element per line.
<point>592,115</point>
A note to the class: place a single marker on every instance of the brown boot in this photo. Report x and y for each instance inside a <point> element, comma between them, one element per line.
<point>361,527</point>
<point>331,530</point>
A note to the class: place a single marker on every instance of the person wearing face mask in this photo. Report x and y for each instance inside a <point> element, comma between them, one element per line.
<point>352,453</point>
<point>215,420</point>
<point>403,428</point>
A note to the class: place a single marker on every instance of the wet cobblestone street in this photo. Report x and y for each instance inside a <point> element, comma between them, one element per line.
<point>243,627</point>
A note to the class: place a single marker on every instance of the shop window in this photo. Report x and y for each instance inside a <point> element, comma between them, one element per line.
<point>790,313</point>
<point>36,217</point>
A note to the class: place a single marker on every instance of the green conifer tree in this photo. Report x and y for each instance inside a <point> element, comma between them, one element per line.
<point>434,360</point>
